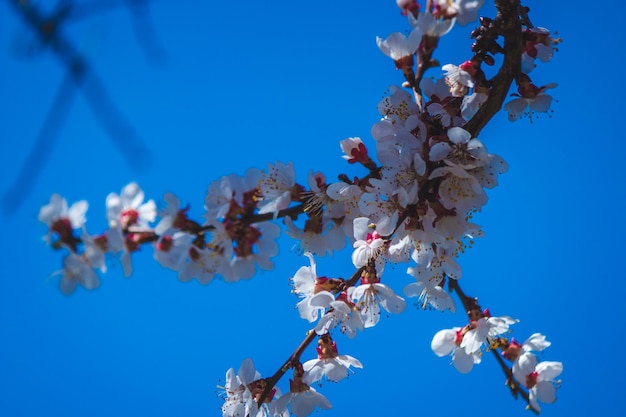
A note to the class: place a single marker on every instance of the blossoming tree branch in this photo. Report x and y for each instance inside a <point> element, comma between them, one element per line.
<point>420,185</point>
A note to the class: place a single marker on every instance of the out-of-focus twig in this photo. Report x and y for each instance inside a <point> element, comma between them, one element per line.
<point>79,73</point>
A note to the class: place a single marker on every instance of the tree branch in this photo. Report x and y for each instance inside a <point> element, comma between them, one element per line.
<point>509,25</point>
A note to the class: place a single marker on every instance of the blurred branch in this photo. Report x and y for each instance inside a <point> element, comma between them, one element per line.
<point>79,74</point>
<point>39,152</point>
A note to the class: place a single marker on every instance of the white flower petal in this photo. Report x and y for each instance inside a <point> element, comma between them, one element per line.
<point>546,392</point>
<point>443,342</point>
<point>462,361</point>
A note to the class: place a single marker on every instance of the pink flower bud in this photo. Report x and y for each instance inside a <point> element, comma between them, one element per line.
<point>355,150</point>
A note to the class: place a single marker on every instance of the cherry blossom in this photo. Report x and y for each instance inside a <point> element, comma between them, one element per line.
<point>398,106</point>
<point>368,243</point>
<point>408,6</point>
<point>464,11</point>
<point>447,342</point>
<point>94,250</point>
<point>429,291</point>
<point>254,248</point>
<point>276,188</point>
<point>128,209</point>
<point>241,390</point>
<point>459,190</point>
<point>535,343</point>
<point>530,99</point>
<point>400,48</point>
<point>76,272</point>
<point>229,190</point>
<point>341,312</point>
<point>62,221</point>
<point>312,289</point>
<point>483,328</point>
<point>460,149</point>
<point>320,235</point>
<point>172,248</point>
<point>459,79</point>
<point>347,197</point>
<point>57,210</point>
<point>537,45</point>
<point>301,398</point>
<point>431,25</point>
<point>369,297</point>
<point>471,104</point>
<point>329,363</point>
<point>539,378</point>
<point>435,89</point>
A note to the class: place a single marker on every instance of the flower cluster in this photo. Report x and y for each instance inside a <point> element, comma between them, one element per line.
<point>527,376</point>
<point>421,183</point>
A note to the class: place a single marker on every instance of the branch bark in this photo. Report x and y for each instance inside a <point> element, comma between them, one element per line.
<point>510,27</point>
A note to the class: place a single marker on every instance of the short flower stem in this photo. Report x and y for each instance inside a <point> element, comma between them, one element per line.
<point>513,385</point>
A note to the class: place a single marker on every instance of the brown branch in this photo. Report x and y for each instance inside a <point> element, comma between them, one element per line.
<point>258,218</point>
<point>509,25</point>
<point>294,358</point>
<point>289,363</point>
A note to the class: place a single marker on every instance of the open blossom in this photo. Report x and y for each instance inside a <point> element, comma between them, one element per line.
<point>429,291</point>
<point>400,48</point>
<point>460,190</point>
<point>368,245</point>
<point>77,272</point>
<point>431,25</point>
<point>329,363</point>
<point>464,11</point>
<point>408,6</point>
<point>320,235</point>
<point>231,189</point>
<point>251,246</point>
<point>447,342</point>
<point>535,343</point>
<point>460,149</point>
<point>172,248</point>
<point>537,44</point>
<point>128,209</point>
<point>205,261</point>
<point>342,312</point>
<point>241,390</point>
<point>369,297</point>
<point>471,104</point>
<point>57,210</point>
<point>459,79</point>
<point>301,403</point>
<point>382,203</point>
<point>301,398</point>
<point>94,251</point>
<point>276,188</point>
<point>539,378</point>
<point>63,221</point>
<point>313,290</point>
<point>530,99</point>
<point>481,329</point>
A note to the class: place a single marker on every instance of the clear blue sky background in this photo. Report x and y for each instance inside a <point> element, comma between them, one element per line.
<point>245,83</point>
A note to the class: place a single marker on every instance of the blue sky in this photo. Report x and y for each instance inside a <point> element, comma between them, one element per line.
<point>245,83</point>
